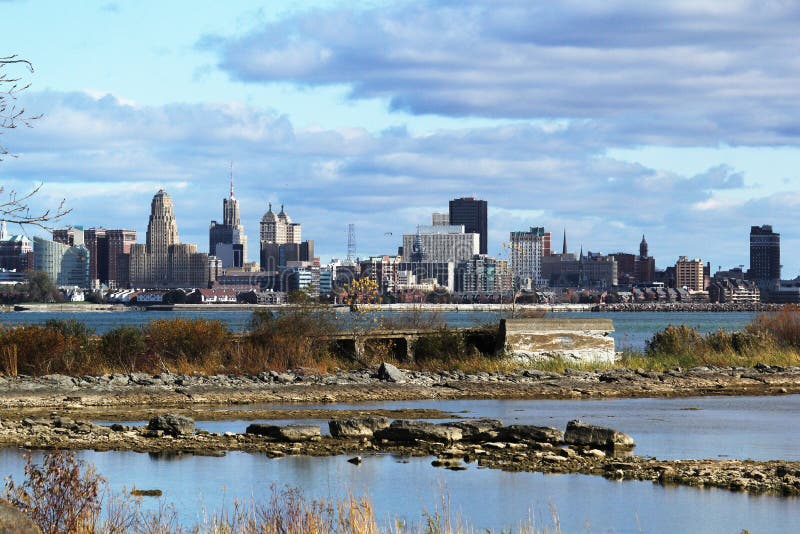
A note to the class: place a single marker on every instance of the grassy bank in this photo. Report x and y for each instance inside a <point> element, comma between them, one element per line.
<point>298,338</point>
<point>64,494</point>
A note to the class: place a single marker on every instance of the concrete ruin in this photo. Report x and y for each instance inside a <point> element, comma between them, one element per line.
<point>572,340</point>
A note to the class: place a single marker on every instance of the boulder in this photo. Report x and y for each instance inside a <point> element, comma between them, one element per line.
<point>408,431</point>
<point>390,373</point>
<point>14,521</point>
<point>580,433</point>
<point>357,428</point>
<point>476,429</point>
<point>172,424</point>
<point>293,433</point>
<point>530,434</point>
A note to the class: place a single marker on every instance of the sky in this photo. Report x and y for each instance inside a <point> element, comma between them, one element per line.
<point>609,119</point>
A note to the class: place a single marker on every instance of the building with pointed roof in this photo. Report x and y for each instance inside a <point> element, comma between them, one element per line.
<point>227,241</point>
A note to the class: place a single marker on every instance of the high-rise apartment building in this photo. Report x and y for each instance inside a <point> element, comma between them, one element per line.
<point>765,255</point>
<point>472,214</point>
<point>227,241</point>
<point>689,274</point>
<point>526,253</point>
<point>119,243</point>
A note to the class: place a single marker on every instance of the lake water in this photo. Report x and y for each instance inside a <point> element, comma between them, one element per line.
<point>403,488</point>
<point>709,427</point>
<point>632,329</point>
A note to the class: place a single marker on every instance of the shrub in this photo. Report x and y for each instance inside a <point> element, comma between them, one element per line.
<point>674,341</point>
<point>287,339</point>
<point>782,326</point>
<point>124,348</point>
<point>187,344</point>
<point>61,495</point>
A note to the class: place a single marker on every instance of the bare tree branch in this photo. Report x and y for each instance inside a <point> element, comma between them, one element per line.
<point>15,208</point>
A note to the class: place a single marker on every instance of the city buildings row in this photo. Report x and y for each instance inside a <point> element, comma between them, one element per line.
<point>448,255</point>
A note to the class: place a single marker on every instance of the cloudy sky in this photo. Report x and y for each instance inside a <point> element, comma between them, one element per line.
<point>612,119</point>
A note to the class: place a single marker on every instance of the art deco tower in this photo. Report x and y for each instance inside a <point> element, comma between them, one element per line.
<point>227,240</point>
<point>162,229</point>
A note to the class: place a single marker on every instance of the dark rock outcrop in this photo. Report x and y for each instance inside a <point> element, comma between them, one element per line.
<point>293,433</point>
<point>172,424</point>
<point>580,433</point>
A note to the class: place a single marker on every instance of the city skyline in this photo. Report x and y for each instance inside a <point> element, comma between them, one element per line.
<point>590,146</point>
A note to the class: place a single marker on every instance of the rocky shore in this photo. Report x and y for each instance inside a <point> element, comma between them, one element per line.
<point>459,445</point>
<point>128,392</point>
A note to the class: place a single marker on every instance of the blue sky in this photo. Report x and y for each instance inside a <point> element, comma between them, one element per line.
<point>610,119</point>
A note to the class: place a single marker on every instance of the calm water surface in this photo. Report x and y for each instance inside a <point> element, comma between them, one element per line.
<point>403,488</point>
<point>632,329</point>
<point>758,428</point>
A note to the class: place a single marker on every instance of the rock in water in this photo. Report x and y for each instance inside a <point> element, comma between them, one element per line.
<point>390,373</point>
<point>580,433</point>
<point>408,431</point>
<point>530,434</point>
<point>172,424</point>
<point>293,433</point>
<point>356,428</point>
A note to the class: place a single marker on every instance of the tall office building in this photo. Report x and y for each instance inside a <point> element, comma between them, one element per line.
<point>119,246</point>
<point>227,241</point>
<point>163,262</point>
<point>16,252</point>
<point>281,241</point>
<point>765,254</point>
<point>472,213</point>
<point>279,229</point>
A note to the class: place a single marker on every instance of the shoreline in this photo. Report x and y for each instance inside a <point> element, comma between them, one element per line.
<point>195,391</point>
<point>522,309</point>
<point>56,412</point>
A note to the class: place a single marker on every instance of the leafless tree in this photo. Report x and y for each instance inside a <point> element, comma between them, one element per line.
<point>14,206</point>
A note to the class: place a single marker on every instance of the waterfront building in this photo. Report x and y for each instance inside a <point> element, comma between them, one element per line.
<point>526,252</point>
<point>689,274</point>
<point>106,248</point>
<point>65,265</point>
<point>227,240</point>
<point>440,244</point>
<point>473,215</point>
<point>733,290</point>
<point>71,236</point>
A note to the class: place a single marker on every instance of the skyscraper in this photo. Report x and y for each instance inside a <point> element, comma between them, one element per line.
<point>227,241</point>
<point>765,255</point>
<point>164,262</point>
<point>472,213</point>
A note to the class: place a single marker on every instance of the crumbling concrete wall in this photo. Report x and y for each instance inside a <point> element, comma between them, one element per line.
<point>572,340</point>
